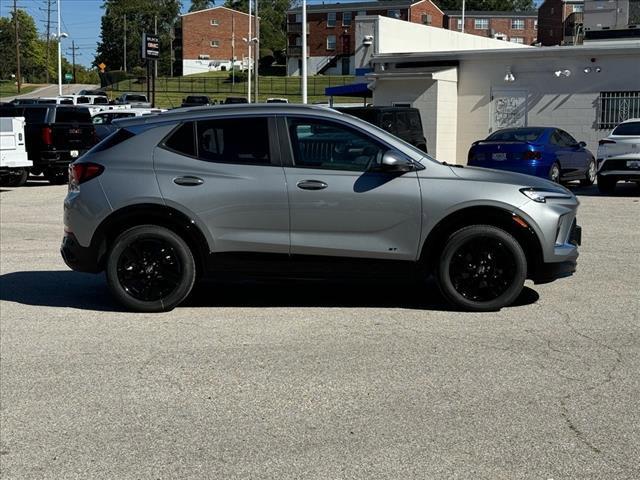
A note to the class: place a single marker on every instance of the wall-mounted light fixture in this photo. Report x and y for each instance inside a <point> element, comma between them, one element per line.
<point>562,73</point>
<point>508,76</point>
<point>591,69</point>
<point>367,40</point>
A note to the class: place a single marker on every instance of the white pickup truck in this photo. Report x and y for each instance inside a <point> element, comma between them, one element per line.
<point>14,164</point>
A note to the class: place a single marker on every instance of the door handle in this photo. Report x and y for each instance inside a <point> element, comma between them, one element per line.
<point>188,181</point>
<point>311,185</point>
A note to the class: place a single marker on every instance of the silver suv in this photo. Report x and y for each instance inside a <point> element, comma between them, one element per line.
<point>305,191</point>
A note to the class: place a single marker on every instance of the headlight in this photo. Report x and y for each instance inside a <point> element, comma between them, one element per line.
<point>541,195</point>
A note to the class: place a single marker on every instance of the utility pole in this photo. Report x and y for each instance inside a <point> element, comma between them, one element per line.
<point>257,51</point>
<point>59,54</point>
<point>73,56</point>
<point>155,62</point>
<point>17,28</point>
<point>124,45</point>
<point>48,37</point>
<point>249,42</point>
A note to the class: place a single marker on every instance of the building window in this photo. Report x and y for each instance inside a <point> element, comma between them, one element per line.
<point>427,19</point>
<point>331,19</point>
<point>203,57</point>
<point>215,43</point>
<point>535,24</point>
<point>346,19</point>
<point>298,41</point>
<point>361,13</point>
<point>459,24</point>
<point>214,22</point>
<point>393,13</point>
<point>616,107</point>
<point>481,23</point>
<point>298,18</point>
<point>516,40</point>
<point>551,11</point>
<point>517,24</point>
<point>331,42</point>
<point>578,8</point>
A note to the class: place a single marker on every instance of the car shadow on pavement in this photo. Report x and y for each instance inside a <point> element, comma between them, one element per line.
<point>67,289</point>
<point>623,189</point>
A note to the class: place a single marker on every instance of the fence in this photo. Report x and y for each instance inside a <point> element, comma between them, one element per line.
<point>615,107</point>
<point>276,86</point>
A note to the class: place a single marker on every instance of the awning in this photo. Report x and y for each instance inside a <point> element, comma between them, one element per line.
<point>350,90</point>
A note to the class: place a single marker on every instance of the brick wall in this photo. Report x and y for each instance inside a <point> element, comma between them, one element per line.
<point>198,32</point>
<point>497,25</point>
<point>419,11</point>
<point>551,19</point>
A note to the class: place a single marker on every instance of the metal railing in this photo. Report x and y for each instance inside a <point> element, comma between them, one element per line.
<point>220,85</point>
<point>616,107</point>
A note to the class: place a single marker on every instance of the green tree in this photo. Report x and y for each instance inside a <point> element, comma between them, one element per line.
<point>201,5</point>
<point>32,49</point>
<point>140,17</point>
<point>273,23</point>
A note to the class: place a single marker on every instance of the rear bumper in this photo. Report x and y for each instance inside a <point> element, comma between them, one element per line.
<point>58,159</point>
<point>77,257</point>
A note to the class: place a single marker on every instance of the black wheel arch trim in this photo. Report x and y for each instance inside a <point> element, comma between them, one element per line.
<point>150,214</point>
<point>483,215</point>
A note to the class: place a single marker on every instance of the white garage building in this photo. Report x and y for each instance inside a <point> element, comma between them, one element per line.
<point>465,94</point>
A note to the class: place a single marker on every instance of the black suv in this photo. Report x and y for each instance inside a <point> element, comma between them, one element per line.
<point>56,135</point>
<point>403,122</point>
<point>196,101</point>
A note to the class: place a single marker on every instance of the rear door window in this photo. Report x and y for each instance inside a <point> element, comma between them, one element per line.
<point>234,140</point>
<point>35,115</point>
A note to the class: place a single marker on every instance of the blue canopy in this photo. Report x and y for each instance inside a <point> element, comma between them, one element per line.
<point>350,90</point>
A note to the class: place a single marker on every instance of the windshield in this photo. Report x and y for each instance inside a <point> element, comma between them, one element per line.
<point>517,135</point>
<point>136,98</point>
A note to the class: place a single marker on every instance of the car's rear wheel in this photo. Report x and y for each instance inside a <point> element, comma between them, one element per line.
<point>15,178</point>
<point>150,269</point>
<point>606,184</point>
<point>57,177</point>
<point>554,172</point>
<point>590,175</point>
<point>482,268</point>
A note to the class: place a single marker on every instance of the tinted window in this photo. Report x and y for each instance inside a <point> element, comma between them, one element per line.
<point>112,140</point>
<point>182,141</point>
<point>366,114</point>
<point>331,146</point>
<point>517,135</point>
<point>569,141</point>
<point>414,121</point>
<point>136,98</point>
<point>629,128</point>
<point>83,100</point>
<point>100,101</point>
<point>72,115</point>
<point>242,140</point>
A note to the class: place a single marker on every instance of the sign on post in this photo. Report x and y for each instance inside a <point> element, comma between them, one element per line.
<point>150,46</point>
<point>68,77</point>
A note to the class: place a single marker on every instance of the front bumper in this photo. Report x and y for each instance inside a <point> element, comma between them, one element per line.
<point>548,272</point>
<point>77,257</point>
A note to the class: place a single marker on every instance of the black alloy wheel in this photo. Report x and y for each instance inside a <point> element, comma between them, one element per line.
<point>482,268</point>
<point>150,269</point>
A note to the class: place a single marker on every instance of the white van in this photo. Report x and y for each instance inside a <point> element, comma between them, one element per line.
<point>14,164</point>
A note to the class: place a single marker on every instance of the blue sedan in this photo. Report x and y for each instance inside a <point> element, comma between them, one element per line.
<point>545,152</point>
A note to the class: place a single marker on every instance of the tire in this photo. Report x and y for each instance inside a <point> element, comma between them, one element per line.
<point>150,269</point>
<point>590,175</point>
<point>56,177</point>
<point>16,178</point>
<point>606,184</point>
<point>481,268</point>
<point>554,172</point>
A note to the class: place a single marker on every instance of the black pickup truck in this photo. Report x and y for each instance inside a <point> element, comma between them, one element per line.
<point>56,135</point>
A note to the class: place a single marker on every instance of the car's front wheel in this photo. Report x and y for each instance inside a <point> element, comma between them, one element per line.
<point>482,268</point>
<point>150,269</point>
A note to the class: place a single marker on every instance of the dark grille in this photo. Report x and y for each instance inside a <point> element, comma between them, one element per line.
<point>617,165</point>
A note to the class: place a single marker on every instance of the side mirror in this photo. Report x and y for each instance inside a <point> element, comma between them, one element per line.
<point>396,162</point>
<point>582,144</point>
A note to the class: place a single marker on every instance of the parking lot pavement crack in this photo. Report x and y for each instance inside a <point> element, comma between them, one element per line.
<point>608,377</point>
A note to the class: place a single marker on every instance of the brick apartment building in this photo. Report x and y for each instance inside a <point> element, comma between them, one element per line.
<point>211,38</point>
<point>517,27</point>
<point>331,31</point>
<point>559,21</point>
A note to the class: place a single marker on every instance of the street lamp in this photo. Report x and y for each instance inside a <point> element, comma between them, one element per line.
<point>60,36</point>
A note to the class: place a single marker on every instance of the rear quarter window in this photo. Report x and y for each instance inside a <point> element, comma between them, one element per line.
<point>73,115</point>
<point>629,128</point>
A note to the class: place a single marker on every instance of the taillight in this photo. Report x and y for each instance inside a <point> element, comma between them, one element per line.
<point>82,172</point>
<point>605,141</point>
<point>529,155</point>
<point>47,136</point>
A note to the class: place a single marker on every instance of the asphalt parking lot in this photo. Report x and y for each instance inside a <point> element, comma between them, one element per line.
<point>275,381</point>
